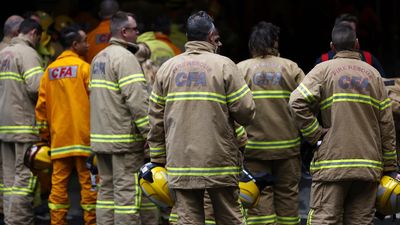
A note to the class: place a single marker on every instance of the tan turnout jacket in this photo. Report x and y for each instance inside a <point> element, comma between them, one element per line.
<point>354,105</point>
<point>196,98</point>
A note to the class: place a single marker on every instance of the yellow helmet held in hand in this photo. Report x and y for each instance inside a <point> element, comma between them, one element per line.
<point>37,157</point>
<point>251,186</point>
<point>387,199</point>
<point>153,181</point>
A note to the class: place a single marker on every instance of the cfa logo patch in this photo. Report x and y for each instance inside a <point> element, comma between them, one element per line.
<point>63,72</point>
<point>102,38</point>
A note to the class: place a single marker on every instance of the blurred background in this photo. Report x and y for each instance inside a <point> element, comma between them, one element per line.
<point>305,24</point>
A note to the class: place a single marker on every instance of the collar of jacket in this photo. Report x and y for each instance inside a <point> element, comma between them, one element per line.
<point>125,44</point>
<point>22,40</point>
<point>146,36</point>
<point>348,54</point>
<point>68,53</point>
<point>199,46</point>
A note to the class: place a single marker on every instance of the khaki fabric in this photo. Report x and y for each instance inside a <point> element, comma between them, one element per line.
<point>355,108</point>
<point>119,196</point>
<point>279,204</point>
<point>344,202</point>
<point>149,212</point>
<point>19,185</point>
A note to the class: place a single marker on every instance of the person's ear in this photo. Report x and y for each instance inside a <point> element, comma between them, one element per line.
<point>332,46</point>
<point>357,44</point>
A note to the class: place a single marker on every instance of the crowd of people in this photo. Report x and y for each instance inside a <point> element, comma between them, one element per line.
<point>126,94</point>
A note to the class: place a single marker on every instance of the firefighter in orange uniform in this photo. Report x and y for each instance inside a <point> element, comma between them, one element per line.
<point>63,113</point>
<point>99,37</point>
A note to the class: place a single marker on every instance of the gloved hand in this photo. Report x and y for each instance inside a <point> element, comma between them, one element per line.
<point>263,180</point>
<point>145,171</point>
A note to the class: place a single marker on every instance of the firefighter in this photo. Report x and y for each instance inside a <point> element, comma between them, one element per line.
<point>119,123</point>
<point>274,141</point>
<point>196,98</point>
<point>10,29</point>
<point>63,110</point>
<point>356,129</point>
<point>99,37</point>
<point>21,71</point>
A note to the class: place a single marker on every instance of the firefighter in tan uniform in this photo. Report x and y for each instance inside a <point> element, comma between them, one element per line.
<point>63,110</point>
<point>196,98</point>
<point>119,123</point>
<point>274,141</point>
<point>20,74</point>
<point>357,132</point>
<point>393,87</point>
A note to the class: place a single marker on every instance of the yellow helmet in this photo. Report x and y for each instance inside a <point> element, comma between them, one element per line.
<point>387,199</point>
<point>45,19</point>
<point>62,21</point>
<point>153,181</point>
<point>249,192</point>
<point>37,157</point>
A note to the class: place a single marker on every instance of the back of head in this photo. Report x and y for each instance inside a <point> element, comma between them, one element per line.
<point>199,25</point>
<point>346,17</point>
<point>263,39</point>
<point>118,21</point>
<point>11,25</point>
<point>70,34</point>
<point>28,25</point>
<point>108,8</point>
<point>343,37</point>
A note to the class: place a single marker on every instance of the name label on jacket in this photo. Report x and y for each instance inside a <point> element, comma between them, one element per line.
<point>63,72</point>
<point>191,79</point>
<point>267,78</point>
<point>353,82</point>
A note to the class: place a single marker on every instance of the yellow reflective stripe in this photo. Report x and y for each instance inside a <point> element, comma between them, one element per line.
<point>212,171</point>
<point>157,151</point>
<point>70,149</point>
<point>345,163</point>
<point>35,70</point>
<point>101,204</point>
<point>88,207</point>
<point>32,183</point>
<point>309,217</point>
<point>311,128</point>
<point>126,209</point>
<point>19,129</point>
<point>390,155</point>
<point>54,206</point>
<point>261,219</point>
<point>115,138</point>
<point>273,144</point>
<point>288,219</point>
<point>385,103</point>
<point>240,131</point>
<point>349,97</point>
<point>210,222</point>
<point>1,187</point>
<point>131,79</point>
<point>271,94</point>
<point>142,121</point>
<point>237,94</point>
<point>196,96</point>
<point>173,217</point>
<point>148,206</point>
<point>10,76</point>
<point>97,83</point>
<point>308,96</point>
<point>138,191</point>
<point>41,124</point>
<point>157,99</point>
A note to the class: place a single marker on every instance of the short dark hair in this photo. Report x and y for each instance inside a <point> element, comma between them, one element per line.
<point>346,17</point>
<point>70,34</point>
<point>29,24</point>
<point>119,20</point>
<point>263,37</point>
<point>198,26</point>
<point>343,37</point>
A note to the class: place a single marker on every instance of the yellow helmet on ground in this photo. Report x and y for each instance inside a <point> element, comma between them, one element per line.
<point>153,181</point>
<point>251,186</point>
<point>37,157</point>
<point>387,199</point>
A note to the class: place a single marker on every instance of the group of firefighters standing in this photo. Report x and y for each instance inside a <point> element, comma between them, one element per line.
<point>185,118</point>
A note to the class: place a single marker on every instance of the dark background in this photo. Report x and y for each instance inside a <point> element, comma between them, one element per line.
<point>305,24</point>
